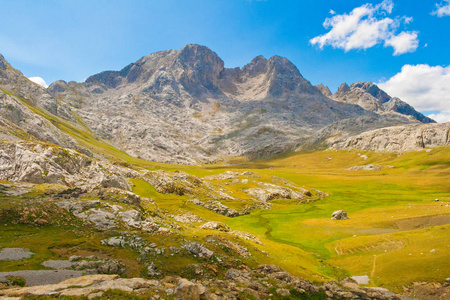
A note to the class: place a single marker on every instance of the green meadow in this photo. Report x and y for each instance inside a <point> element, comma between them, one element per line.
<point>396,233</point>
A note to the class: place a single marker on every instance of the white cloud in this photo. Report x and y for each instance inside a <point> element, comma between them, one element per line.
<point>425,87</point>
<point>332,12</point>
<point>442,9</point>
<point>403,43</point>
<point>366,26</point>
<point>441,117</point>
<point>39,81</point>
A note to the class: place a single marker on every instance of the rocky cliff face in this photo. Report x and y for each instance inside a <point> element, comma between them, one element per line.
<point>184,106</point>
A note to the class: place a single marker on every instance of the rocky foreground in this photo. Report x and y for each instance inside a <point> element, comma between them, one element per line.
<point>266,282</point>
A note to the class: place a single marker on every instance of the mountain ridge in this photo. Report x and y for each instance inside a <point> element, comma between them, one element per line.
<point>184,106</point>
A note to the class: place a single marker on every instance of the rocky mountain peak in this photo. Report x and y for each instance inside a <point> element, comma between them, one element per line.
<point>370,97</point>
<point>372,89</point>
<point>284,78</point>
<point>199,69</point>
<point>283,65</point>
<point>343,88</point>
<point>257,66</point>
<point>325,90</point>
<point>2,62</point>
<point>194,55</point>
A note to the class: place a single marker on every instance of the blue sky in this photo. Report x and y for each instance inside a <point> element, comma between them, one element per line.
<point>72,40</point>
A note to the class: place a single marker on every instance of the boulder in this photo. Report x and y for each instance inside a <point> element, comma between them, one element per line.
<point>198,249</point>
<point>339,215</point>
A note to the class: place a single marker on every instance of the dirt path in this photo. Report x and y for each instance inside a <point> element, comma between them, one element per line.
<point>373,267</point>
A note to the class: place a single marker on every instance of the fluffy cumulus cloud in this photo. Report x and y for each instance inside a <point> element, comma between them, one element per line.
<point>366,26</point>
<point>39,81</point>
<point>442,9</point>
<point>425,87</point>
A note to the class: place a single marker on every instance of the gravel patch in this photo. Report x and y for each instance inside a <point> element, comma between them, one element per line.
<point>42,277</point>
<point>15,253</point>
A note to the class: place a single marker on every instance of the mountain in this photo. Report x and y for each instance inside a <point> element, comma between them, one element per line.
<point>184,106</point>
<point>369,96</point>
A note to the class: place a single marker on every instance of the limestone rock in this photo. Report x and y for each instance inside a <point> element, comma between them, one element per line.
<point>188,218</point>
<point>198,249</point>
<point>268,191</point>
<point>365,168</point>
<point>187,290</point>
<point>398,139</point>
<point>219,208</point>
<point>41,163</point>
<point>339,215</point>
<point>213,225</point>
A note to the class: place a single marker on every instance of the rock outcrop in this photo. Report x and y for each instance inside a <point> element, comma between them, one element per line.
<point>398,138</point>
<point>44,163</point>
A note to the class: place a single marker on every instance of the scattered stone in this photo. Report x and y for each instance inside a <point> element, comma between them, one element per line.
<point>283,292</point>
<point>152,270</point>
<point>365,168</point>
